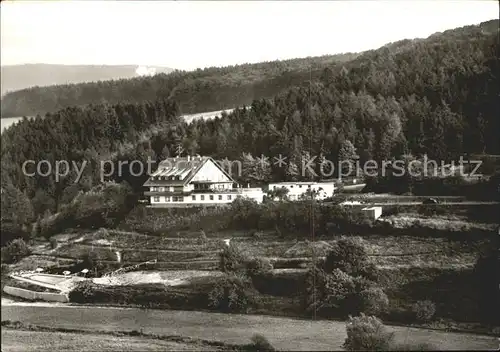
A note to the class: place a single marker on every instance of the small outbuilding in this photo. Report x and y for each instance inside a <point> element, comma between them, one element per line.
<point>372,213</point>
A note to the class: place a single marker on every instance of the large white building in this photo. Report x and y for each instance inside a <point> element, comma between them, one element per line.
<point>323,190</point>
<point>194,181</point>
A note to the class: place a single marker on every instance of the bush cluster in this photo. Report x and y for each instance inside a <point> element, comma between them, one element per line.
<point>231,259</point>
<point>15,251</point>
<point>424,310</point>
<point>258,266</point>
<point>373,301</point>
<point>342,284</point>
<point>102,206</point>
<point>234,293</point>
<point>259,343</point>
<point>350,256</point>
<point>367,333</point>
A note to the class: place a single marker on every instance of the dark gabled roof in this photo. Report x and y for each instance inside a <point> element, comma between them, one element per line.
<point>179,167</point>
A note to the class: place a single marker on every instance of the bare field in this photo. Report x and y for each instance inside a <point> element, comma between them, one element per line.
<point>170,278</point>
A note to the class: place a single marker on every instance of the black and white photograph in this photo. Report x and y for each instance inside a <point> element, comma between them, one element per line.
<point>250,175</point>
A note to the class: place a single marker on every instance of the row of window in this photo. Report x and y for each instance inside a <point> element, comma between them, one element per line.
<point>196,186</point>
<point>172,178</point>
<point>300,186</point>
<point>199,186</point>
<point>161,189</point>
<point>181,199</point>
<point>291,186</point>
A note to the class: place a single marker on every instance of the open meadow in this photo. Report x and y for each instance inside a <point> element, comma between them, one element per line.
<point>232,329</point>
<point>21,340</point>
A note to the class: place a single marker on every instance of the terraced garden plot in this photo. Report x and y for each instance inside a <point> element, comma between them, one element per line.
<point>135,240</point>
<point>190,253</point>
<point>77,251</point>
<point>32,262</point>
<point>163,256</point>
<point>263,248</point>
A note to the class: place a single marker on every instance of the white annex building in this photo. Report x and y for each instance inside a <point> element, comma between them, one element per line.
<point>297,189</point>
<point>194,181</point>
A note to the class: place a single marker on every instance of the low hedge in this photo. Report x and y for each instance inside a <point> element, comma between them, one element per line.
<point>282,284</point>
<point>146,295</point>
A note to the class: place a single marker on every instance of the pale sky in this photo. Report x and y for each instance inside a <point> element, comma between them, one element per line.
<point>191,34</point>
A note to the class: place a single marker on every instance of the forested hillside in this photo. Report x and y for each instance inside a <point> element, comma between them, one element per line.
<point>210,89</point>
<point>438,96</point>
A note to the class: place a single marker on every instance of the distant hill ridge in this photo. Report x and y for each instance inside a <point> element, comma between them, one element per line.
<point>17,77</point>
<point>219,87</point>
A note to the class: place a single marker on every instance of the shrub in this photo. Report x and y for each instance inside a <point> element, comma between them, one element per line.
<point>362,283</point>
<point>349,255</point>
<point>339,286</point>
<point>259,343</point>
<point>233,293</point>
<point>258,266</point>
<point>315,280</point>
<point>82,292</point>
<point>329,294</point>
<point>202,237</point>
<point>231,259</point>
<point>15,251</point>
<point>431,210</point>
<point>53,243</point>
<point>367,333</point>
<point>373,301</point>
<point>257,235</point>
<point>424,310</point>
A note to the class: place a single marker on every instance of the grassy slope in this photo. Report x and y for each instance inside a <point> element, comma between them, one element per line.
<point>20,340</point>
<point>283,333</point>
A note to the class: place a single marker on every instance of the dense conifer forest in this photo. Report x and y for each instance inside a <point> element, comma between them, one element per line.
<point>437,96</point>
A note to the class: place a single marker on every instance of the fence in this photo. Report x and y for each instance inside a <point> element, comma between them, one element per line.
<point>35,296</point>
